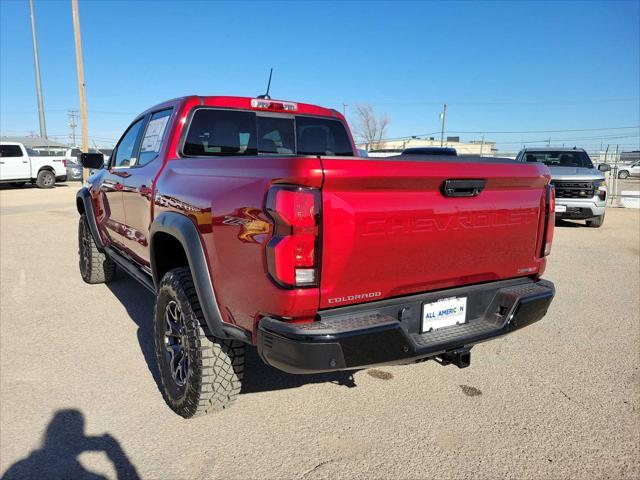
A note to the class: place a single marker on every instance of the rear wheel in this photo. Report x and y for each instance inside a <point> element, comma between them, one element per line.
<point>623,174</point>
<point>95,267</point>
<point>46,179</point>
<point>200,374</point>
<point>595,222</point>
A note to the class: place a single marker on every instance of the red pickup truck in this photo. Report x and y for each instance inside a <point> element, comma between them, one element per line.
<point>254,223</point>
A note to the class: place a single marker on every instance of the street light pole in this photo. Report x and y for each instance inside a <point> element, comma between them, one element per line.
<point>36,61</point>
<point>81,85</point>
<point>443,117</point>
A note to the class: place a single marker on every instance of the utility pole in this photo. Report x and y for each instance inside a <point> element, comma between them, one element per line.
<point>344,109</point>
<point>43,126</point>
<point>443,117</point>
<point>73,115</point>
<point>549,142</point>
<point>81,90</point>
<point>482,145</point>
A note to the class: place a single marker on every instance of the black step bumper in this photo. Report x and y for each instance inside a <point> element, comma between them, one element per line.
<point>388,331</point>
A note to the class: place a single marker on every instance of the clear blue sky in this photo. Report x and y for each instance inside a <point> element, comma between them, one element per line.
<point>509,66</point>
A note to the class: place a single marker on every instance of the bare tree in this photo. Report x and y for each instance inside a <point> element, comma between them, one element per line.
<point>370,127</point>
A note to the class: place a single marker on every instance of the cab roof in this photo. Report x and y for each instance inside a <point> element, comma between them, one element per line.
<point>245,103</point>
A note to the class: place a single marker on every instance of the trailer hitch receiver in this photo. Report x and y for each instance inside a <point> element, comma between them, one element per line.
<point>461,358</point>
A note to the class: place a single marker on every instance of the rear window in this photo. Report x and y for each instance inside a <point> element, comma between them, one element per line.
<point>321,136</point>
<point>559,159</point>
<point>231,132</point>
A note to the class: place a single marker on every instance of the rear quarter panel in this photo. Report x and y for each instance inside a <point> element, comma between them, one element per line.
<point>225,197</point>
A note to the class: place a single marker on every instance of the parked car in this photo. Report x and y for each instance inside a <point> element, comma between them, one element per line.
<point>580,188</point>
<point>251,223</point>
<point>446,151</point>
<point>627,171</point>
<point>19,165</point>
<point>74,171</point>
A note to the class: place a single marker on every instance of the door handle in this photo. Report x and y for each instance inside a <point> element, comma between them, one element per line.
<point>462,187</point>
<point>25,161</point>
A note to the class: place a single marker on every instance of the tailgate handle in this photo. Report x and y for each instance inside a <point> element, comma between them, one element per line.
<point>462,188</point>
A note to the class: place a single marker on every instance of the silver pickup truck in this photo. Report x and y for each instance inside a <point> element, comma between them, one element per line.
<point>581,190</point>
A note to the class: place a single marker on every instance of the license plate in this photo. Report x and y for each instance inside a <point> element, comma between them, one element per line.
<point>561,208</point>
<point>444,313</point>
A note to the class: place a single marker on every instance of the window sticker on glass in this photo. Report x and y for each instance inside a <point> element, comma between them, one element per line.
<point>153,136</point>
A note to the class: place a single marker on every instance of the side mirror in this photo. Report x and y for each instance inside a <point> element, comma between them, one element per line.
<point>92,160</point>
<point>604,167</point>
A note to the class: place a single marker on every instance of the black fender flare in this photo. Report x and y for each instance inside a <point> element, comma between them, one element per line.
<point>85,205</point>
<point>185,231</point>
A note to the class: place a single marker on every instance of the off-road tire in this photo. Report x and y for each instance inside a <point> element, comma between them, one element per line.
<point>623,174</point>
<point>46,179</point>
<point>595,222</point>
<point>94,265</point>
<point>215,366</point>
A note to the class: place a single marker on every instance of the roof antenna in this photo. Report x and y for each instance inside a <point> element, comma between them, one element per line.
<point>266,95</point>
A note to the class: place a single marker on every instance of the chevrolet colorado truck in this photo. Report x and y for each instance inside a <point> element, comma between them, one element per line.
<point>581,189</point>
<point>19,165</point>
<point>253,223</point>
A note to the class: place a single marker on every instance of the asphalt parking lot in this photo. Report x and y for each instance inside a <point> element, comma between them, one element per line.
<point>78,383</point>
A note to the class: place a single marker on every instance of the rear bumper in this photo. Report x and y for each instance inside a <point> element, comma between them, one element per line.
<point>388,331</point>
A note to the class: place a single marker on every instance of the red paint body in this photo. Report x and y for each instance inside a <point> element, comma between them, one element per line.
<point>386,229</point>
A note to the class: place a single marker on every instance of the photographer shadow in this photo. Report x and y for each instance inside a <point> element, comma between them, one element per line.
<point>64,441</point>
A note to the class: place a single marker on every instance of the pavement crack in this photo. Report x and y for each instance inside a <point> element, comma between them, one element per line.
<point>565,395</point>
<point>317,466</point>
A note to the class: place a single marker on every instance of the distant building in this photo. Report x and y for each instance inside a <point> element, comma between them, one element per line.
<point>43,146</point>
<point>473,147</point>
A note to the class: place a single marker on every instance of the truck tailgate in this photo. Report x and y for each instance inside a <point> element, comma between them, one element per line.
<point>388,230</point>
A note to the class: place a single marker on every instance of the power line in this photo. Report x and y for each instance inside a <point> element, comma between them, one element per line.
<point>546,131</point>
<point>514,102</point>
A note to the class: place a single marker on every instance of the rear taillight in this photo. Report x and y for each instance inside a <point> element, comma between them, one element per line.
<point>292,253</point>
<point>550,217</point>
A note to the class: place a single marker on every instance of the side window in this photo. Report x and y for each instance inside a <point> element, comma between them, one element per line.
<point>10,151</point>
<point>125,149</point>
<point>153,136</point>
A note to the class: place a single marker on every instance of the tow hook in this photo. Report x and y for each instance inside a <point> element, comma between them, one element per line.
<point>461,358</point>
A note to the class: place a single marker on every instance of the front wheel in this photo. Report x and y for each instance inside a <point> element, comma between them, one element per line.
<point>95,267</point>
<point>200,374</point>
<point>46,179</point>
<point>623,174</point>
<point>596,222</point>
